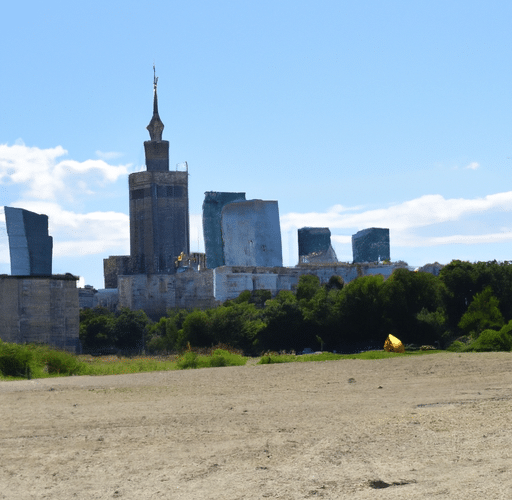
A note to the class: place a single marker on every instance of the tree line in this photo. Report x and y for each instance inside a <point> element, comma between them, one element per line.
<point>418,308</point>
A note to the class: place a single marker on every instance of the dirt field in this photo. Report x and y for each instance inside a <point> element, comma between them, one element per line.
<point>435,426</point>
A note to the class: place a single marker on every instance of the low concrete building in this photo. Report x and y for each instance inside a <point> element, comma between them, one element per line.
<point>41,309</point>
<point>230,281</point>
<point>157,293</point>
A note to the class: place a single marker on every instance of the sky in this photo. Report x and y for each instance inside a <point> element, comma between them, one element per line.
<point>351,114</point>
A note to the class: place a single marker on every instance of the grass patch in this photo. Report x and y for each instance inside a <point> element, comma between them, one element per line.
<point>329,356</point>
<point>18,361</point>
<point>219,357</point>
<point>112,365</point>
<point>22,361</point>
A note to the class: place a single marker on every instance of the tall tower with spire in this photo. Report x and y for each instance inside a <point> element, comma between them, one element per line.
<point>159,217</point>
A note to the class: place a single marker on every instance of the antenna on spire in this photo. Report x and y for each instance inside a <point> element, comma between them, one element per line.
<point>155,126</point>
<point>155,78</point>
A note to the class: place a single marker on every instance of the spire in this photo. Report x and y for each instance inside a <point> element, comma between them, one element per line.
<point>155,126</point>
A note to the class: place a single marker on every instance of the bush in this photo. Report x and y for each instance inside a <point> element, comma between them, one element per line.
<point>456,346</point>
<point>221,357</point>
<point>189,360</point>
<point>491,340</point>
<point>61,362</point>
<point>483,313</point>
<point>15,360</point>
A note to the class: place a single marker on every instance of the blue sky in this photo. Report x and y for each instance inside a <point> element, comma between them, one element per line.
<point>351,114</point>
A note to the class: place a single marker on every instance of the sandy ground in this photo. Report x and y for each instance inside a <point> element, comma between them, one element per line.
<point>435,426</point>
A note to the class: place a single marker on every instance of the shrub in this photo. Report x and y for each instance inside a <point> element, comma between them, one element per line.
<point>15,360</point>
<point>270,359</point>
<point>189,360</point>
<point>218,360</point>
<point>483,313</point>
<point>491,340</point>
<point>456,346</point>
<point>61,362</point>
<point>221,357</point>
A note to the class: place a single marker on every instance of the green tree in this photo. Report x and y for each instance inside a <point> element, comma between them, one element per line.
<point>196,330</point>
<point>308,285</point>
<point>163,336</point>
<point>284,328</point>
<point>129,329</point>
<point>236,324</point>
<point>483,313</point>
<point>459,278</point>
<point>404,295</point>
<point>96,329</point>
<point>320,318</point>
<point>359,312</point>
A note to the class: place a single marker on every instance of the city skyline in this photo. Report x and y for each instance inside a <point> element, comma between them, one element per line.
<point>349,115</point>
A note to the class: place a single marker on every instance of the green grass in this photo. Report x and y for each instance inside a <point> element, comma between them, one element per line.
<point>112,365</point>
<point>220,357</point>
<point>329,356</point>
<point>21,361</point>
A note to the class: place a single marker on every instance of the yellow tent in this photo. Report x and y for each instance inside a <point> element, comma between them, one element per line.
<point>392,344</point>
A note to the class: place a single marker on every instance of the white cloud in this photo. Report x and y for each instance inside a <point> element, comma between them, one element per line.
<point>45,177</point>
<point>108,155</point>
<point>403,240</point>
<point>424,211</point>
<point>481,217</point>
<point>76,234</point>
<point>473,165</point>
<point>34,179</point>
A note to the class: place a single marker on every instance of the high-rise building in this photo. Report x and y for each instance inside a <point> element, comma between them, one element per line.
<point>30,245</point>
<point>159,217</point>
<point>213,204</point>
<point>371,245</point>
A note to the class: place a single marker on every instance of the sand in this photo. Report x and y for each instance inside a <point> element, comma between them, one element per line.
<point>436,426</point>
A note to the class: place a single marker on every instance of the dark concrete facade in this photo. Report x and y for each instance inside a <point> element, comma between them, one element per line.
<point>315,245</point>
<point>30,246</point>
<point>371,245</point>
<point>213,204</point>
<point>159,214</point>
<point>42,309</point>
<point>159,220</point>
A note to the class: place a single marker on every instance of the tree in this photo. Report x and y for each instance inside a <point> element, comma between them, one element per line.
<point>483,313</point>
<point>320,316</point>
<point>236,324</point>
<point>163,336</point>
<point>284,328</point>
<point>196,330</point>
<point>358,311</point>
<point>404,295</point>
<point>459,278</point>
<point>129,329</point>
<point>308,285</point>
<point>96,329</point>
